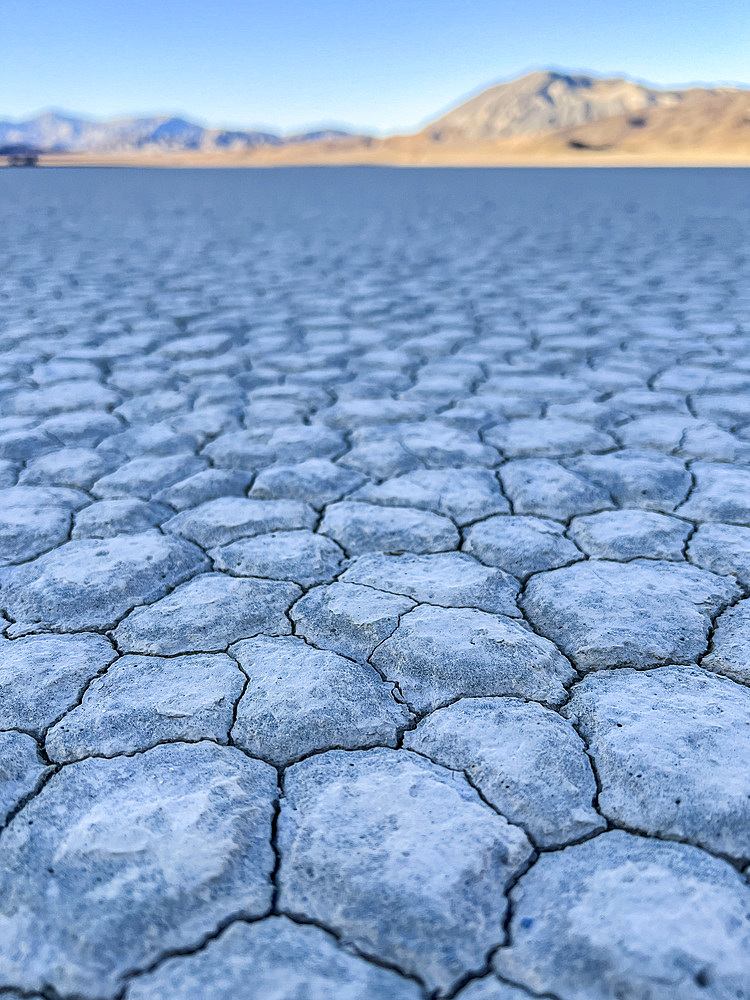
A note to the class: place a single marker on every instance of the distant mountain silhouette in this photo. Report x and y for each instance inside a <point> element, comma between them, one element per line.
<point>63,133</point>
<point>542,116</point>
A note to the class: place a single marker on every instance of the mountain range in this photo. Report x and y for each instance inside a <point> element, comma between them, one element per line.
<point>54,132</point>
<point>542,116</point>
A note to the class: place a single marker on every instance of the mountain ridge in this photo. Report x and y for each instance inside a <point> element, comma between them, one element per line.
<point>60,132</point>
<point>542,114</point>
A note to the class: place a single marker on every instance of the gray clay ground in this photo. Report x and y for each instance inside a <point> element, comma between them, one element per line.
<point>374,568</point>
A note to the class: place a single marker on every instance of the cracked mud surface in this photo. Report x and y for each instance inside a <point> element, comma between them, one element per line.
<point>374,585</point>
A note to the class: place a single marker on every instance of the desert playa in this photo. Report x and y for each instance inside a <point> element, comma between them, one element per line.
<point>376,554</point>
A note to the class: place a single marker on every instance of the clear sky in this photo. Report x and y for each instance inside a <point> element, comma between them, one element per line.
<point>380,65</point>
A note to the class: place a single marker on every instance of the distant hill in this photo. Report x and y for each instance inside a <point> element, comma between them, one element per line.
<point>546,114</point>
<point>542,117</point>
<point>542,102</point>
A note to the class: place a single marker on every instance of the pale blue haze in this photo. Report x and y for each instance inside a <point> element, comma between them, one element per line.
<point>385,65</point>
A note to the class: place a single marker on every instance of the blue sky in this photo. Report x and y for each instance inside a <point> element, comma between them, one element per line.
<point>380,65</point>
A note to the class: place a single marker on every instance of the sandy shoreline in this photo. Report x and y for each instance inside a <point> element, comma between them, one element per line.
<point>404,152</point>
<point>221,163</point>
